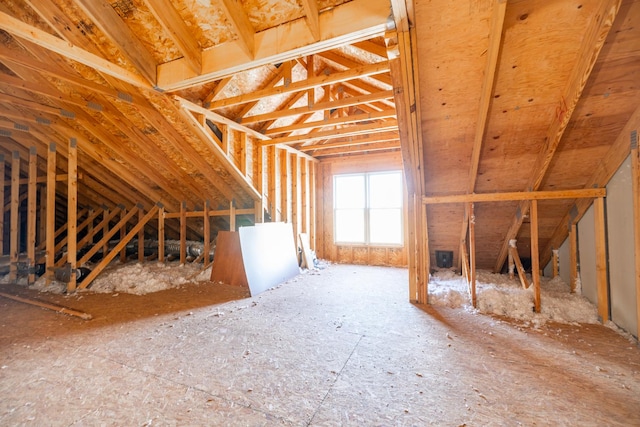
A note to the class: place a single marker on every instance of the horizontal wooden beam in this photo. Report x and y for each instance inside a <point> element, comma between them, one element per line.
<point>386,114</point>
<point>199,214</point>
<point>587,193</point>
<point>336,133</point>
<point>322,106</point>
<point>391,145</point>
<point>313,82</point>
<point>350,22</point>
<point>354,142</point>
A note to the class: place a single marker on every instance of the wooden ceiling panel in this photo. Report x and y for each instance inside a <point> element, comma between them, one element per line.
<point>454,42</point>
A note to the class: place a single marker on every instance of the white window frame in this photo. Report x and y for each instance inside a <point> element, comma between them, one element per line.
<point>367,209</point>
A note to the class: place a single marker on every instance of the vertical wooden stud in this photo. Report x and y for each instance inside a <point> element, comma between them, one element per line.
<point>320,221</point>
<point>304,196</point>
<point>2,172</point>
<point>225,138</point>
<point>123,233</point>
<point>601,260</point>
<point>105,229</point>
<point>272,173</point>
<point>232,216</point>
<point>635,189</point>
<point>295,196</point>
<point>573,257</point>
<point>259,205</point>
<point>411,243</point>
<point>42,215</point>
<point>472,254</point>
<point>14,224</point>
<point>183,232</point>
<point>311,93</point>
<point>284,187</point>
<point>51,213</point>
<point>512,265</point>
<point>555,262</point>
<point>311,171</point>
<point>72,211</point>
<point>141,237</point>
<point>206,230</point>
<point>243,154</point>
<point>161,234</point>
<point>424,254</point>
<point>32,213</point>
<point>535,255</point>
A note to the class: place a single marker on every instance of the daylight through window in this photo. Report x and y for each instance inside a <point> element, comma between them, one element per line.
<point>368,208</point>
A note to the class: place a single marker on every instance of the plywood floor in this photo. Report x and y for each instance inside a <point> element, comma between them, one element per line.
<point>341,347</point>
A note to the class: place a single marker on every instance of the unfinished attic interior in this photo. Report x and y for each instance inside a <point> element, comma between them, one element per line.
<point>467,139</point>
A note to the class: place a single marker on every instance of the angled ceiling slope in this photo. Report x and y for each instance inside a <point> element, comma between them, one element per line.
<point>520,96</point>
<point>169,100</point>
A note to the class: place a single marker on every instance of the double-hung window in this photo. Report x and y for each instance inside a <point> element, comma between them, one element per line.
<point>368,208</point>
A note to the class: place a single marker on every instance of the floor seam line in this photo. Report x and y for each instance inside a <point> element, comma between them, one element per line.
<point>239,403</point>
<point>335,380</point>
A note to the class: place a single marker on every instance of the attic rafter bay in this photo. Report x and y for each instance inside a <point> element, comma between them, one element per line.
<point>350,22</point>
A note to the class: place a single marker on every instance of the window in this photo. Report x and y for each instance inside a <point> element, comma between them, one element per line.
<point>368,208</point>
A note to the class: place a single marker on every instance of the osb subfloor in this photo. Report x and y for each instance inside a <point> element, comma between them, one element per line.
<point>339,347</point>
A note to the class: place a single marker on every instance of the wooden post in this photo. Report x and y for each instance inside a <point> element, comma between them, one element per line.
<point>183,232</point>
<point>284,187</point>
<point>411,247</point>
<point>272,170</point>
<point>15,204</point>
<point>304,196</point>
<point>259,204</point>
<point>295,197</point>
<point>225,138</point>
<point>243,155</point>
<point>232,216</point>
<point>425,256</point>
<point>472,254</point>
<point>72,211</point>
<point>535,255</point>
<point>2,172</point>
<point>601,260</point>
<point>635,189</point>
<point>161,234</point>
<point>51,212</point>
<point>512,244</point>
<point>123,232</point>
<point>311,171</point>
<point>573,256</point>
<point>105,230</point>
<point>555,262</point>
<point>42,215</point>
<point>141,237</point>
<point>206,229</point>
<point>31,214</point>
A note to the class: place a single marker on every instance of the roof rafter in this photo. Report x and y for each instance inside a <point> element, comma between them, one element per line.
<point>350,22</point>
<point>312,17</point>
<point>495,39</point>
<point>19,29</point>
<point>590,48</point>
<point>241,25</point>
<point>175,27</point>
<point>107,19</point>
